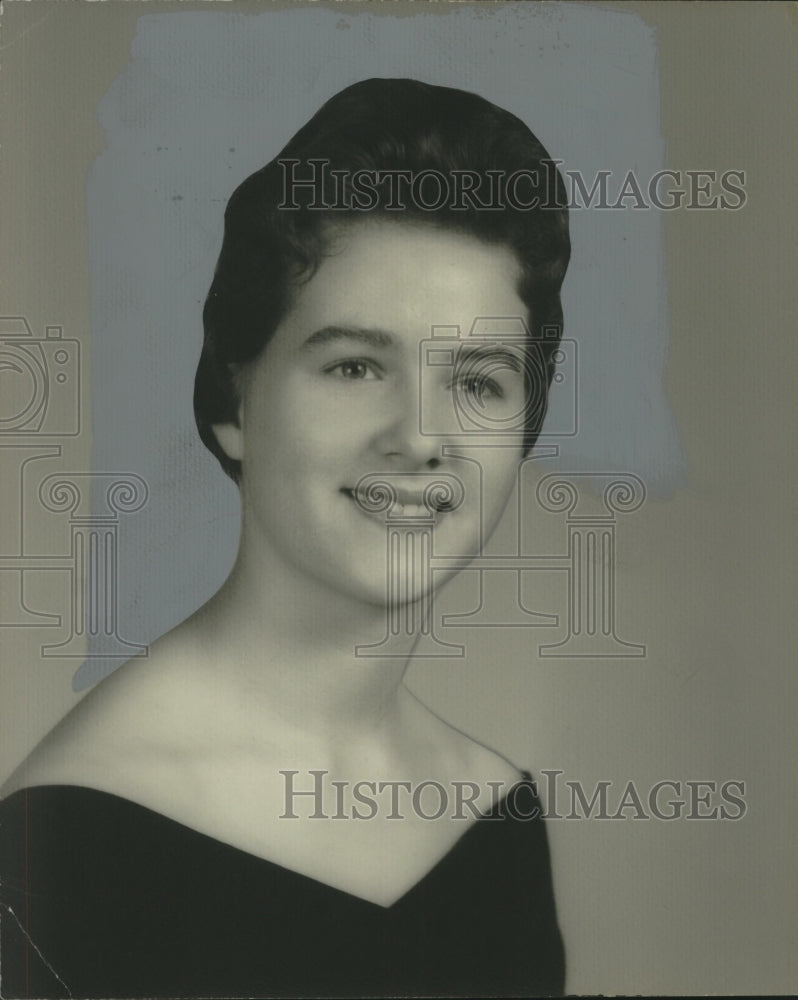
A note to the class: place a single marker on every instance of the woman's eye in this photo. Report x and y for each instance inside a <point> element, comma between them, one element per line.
<point>353,369</point>
<point>480,387</point>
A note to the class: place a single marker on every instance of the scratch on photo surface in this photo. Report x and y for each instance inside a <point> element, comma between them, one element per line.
<point>36,949</point>
<point>25,31</point>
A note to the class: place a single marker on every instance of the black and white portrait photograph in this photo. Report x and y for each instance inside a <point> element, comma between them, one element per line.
<point>397,498</point>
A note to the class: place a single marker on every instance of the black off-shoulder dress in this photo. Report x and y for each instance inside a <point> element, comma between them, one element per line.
<point>101,897</point>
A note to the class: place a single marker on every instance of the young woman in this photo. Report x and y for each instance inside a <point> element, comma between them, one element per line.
<point>249,811</point>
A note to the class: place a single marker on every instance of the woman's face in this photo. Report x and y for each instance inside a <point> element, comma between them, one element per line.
<point>344,390</point>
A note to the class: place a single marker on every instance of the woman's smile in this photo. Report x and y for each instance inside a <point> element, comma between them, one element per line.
<point>405,504</point>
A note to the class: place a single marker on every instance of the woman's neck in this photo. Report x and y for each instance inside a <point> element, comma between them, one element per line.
<point>287,645</point>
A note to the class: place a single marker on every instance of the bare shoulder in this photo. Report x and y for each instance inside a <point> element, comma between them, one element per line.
<point>132,718</point>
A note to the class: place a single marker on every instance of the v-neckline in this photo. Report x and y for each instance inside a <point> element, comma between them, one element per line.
<point>309,880</point>
<point>434,870</point>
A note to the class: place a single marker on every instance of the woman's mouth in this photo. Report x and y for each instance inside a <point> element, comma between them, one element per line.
<point>398,503</point>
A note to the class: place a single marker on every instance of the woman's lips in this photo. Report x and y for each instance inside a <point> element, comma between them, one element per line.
<point>408,503</point>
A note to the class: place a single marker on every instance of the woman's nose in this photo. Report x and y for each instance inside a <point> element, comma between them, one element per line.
<point>406,439</point>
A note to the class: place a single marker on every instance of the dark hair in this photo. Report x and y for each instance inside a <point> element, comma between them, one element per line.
<point>273,242</point>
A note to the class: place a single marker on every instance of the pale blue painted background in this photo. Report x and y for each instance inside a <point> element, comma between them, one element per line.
<point>208,97</point>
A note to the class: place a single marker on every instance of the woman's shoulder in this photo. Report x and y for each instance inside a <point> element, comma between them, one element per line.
<point>125,724</point>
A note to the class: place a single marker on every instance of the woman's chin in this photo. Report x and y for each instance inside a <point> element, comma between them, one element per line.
<point>386,592</point>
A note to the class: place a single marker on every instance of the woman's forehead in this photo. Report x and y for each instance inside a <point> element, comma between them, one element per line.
<point>394,277</point>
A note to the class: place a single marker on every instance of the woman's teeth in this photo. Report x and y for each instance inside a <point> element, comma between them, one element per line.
<point>410,508</point>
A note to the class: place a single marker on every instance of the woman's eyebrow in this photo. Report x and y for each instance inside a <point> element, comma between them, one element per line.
<point>372,337</point>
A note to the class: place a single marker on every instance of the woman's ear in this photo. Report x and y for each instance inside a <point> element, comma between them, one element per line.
<point>230,439</point>
<point>231,436</point>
